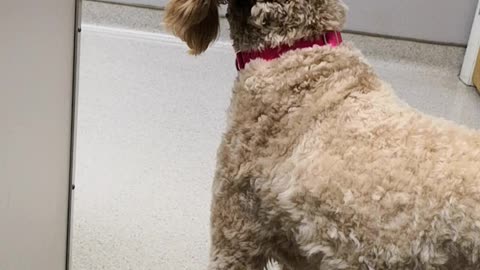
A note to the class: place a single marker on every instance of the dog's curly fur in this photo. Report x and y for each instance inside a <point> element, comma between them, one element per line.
<point>323,168</point>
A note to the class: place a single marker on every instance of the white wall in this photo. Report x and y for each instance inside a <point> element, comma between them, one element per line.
<point>433,20</point>
<point>36,67</point>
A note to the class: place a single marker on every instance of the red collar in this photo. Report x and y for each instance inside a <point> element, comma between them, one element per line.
<point>332,38</point>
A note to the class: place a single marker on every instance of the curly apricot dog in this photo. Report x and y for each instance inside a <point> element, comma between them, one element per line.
<point>322,167</point>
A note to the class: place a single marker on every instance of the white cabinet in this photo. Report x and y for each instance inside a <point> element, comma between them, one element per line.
<point>444,21</point>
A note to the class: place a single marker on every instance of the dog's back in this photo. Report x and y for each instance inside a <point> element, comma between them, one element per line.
<point>335,171</point>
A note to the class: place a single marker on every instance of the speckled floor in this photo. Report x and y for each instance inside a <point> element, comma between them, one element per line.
<point>150,120</point>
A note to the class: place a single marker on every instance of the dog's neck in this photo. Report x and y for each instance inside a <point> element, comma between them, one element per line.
<point>263,24</point>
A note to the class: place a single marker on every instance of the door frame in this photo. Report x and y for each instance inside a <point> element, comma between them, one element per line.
<point>73,139</point>
<point>471,54</point>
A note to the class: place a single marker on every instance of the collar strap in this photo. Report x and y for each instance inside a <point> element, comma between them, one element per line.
<point>331,38</point>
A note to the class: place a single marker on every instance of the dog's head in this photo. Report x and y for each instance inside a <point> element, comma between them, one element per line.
<point>254,24</point>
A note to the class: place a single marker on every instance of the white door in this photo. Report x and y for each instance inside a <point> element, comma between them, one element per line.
<point>36,93</point>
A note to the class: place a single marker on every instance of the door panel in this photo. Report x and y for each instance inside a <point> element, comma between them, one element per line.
<point>444,21</point>
<point>36,73</point>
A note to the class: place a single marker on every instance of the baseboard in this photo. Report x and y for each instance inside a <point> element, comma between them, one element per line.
<point>113,2</point>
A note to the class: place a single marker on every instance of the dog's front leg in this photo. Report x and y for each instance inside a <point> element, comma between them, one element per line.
<point>237,234</point>
<point>235,259</point>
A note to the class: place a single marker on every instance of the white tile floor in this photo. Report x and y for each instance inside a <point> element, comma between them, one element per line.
<point>150,120</point>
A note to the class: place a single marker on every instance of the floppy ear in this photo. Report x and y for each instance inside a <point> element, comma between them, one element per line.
<point>194,21</point>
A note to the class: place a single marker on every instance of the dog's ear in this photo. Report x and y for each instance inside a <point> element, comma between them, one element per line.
<point>194,21</point>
